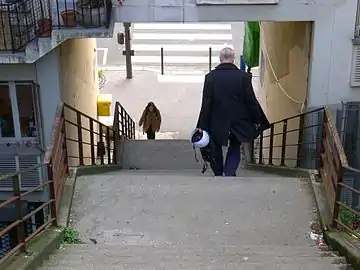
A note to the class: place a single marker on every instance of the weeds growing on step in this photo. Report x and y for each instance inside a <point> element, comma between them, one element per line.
<point>349,218</point>
<point>71,236</point>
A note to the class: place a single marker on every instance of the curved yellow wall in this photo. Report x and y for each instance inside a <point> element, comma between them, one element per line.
<point>79,88</point>
<point>288,45</point>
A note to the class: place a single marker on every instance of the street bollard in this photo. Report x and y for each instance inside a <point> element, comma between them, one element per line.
<point>210,52</point>
<point>162,60</point>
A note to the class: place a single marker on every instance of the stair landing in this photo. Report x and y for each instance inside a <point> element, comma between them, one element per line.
<point>152,220</point>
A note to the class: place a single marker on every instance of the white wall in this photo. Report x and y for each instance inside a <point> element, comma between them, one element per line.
<point>188,11</point>
<point>331,57</point>
<point>48,77</point>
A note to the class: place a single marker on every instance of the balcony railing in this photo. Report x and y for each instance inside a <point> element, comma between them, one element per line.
<point>82,13</point>
<point>23,21</point>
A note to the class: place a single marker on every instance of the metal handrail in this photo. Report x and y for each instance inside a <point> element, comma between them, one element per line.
<point>57,171</point>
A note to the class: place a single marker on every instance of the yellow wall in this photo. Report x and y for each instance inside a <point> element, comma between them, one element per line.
<point>79,88</point>
<point>288,45</point>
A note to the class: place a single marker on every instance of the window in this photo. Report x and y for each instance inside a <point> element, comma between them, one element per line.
<point>355,67</point>
<point>25,100</point>
<point>6,115</point>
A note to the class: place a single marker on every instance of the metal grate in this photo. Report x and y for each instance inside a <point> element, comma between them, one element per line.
<point>31,178</point>
<point>7,166</point>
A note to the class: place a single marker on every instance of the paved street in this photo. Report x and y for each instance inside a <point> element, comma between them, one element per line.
<point>186,46</point>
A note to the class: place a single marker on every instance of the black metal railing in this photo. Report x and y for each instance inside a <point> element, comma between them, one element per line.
<point>83,13</point>
<point>23,21</point>
<point>123,125</point>
<point>293,142</point>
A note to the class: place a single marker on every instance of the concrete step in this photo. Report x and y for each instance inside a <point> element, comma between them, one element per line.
<point>203,266</point>
<point>165,135</point>
<point>159,155</point>
<point>230,257</point>
<point>266,250</point>
<point>189,260</point>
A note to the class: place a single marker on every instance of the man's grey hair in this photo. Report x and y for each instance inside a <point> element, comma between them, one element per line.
<point>227,55</point>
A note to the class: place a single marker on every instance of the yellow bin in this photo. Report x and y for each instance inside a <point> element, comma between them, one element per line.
<point>103,104</point>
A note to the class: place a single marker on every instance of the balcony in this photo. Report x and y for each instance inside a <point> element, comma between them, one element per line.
<point>23,21</point>
<point>82,13</point>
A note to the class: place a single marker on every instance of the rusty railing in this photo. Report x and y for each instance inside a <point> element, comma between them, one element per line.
<point>311,140</point>
<point>335,172</point>
<point>77,139</point>
<point>89,141</point>
<point>286,142</point>
<point>55,168</point>
<point>124,125</point>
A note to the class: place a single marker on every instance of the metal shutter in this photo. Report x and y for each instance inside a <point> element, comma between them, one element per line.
<point>32,178</point>
<point>7,166</point>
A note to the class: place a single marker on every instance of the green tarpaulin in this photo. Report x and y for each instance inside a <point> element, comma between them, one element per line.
<point>251,46</point>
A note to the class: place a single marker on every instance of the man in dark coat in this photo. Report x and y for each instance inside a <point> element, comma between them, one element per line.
<point>230,112</point>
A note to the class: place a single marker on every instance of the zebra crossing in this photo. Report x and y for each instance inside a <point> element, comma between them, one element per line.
<point>186,47</point>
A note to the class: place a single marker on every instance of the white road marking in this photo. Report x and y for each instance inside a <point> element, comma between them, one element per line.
<point>192,37</point>
<point>179,47</point>
<point>180,26</point>
<point>180,79</point>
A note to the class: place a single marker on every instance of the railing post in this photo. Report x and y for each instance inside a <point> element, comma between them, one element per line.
<point>162,60</point>
<point>108,145</point>
<point>116,133</point>
<point>210,57</point>
<point>92,144</point>
<point>122,121</point>
<point>63,130</point>
<point>271,146</point>
<point>337,198</point>
<point>53,193</point>
<point>101,141</point>
<point>133,130</point>
<point>20,229</point>
<point>261,147</point>
<point>300,139</point>
<point>127,126</point>
<point>12,34</point>
<point>80,140</point>
<point>252,148</point>
<point>283,145</point>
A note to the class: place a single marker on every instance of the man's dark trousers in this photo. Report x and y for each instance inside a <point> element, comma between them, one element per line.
<point>232,158</point>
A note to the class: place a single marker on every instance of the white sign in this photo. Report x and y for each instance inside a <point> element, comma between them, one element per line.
<point>236,2</point>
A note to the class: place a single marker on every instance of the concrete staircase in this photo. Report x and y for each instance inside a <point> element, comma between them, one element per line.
<point>165,214</point>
